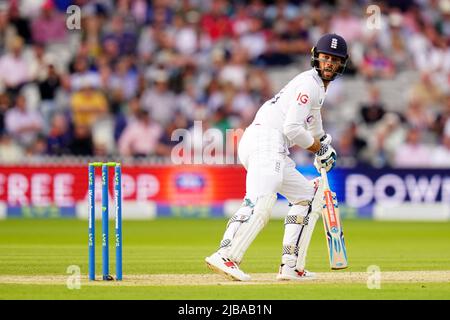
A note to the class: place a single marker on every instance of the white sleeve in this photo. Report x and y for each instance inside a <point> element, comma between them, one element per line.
<point>294,126</point>
<point>316,127</point>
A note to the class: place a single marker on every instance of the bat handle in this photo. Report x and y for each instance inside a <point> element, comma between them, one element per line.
<point>323,173</point>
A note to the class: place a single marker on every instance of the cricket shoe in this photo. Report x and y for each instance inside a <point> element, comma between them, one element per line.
<point>290,273</point>
<point>225,266</point>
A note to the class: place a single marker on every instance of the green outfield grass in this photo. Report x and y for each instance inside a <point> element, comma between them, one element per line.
<point>178,246</point>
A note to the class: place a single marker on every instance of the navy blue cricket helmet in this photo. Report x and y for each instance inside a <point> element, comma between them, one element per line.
<point>333,44</point>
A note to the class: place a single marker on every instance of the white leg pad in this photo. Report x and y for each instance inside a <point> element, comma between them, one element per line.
<point>294,225</point>
<point>251,228</point>
<point>314,215</point>
<point>235,222</point>
<point>305,239</point>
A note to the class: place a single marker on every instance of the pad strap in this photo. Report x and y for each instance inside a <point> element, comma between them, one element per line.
<point>297,219</point>
<point>293,250</point>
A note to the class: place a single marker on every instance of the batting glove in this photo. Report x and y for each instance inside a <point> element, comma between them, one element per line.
<point>326,139</point>
<point>325,158</point>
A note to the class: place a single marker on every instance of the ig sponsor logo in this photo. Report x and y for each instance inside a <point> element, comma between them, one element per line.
<point>302,98</point>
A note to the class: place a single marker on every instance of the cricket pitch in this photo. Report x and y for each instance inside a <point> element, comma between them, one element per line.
<point>257,279</point>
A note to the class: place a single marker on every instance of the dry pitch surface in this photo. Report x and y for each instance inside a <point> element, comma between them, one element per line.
<point>257,279</point>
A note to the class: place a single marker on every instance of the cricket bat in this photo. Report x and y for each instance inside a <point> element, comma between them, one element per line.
<point>333,226</point>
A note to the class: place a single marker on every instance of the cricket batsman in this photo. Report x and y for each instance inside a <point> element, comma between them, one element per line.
<point>291,117</point>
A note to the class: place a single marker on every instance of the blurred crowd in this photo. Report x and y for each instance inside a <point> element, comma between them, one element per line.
<point>135,71</point>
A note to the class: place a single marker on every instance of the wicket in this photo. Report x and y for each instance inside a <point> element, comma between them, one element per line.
<point>105,210</point>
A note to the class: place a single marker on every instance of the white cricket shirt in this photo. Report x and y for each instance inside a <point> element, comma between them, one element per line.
<point>295,110</point>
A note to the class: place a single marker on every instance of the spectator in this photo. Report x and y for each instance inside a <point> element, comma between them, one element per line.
<point>214,96</point>
<point>282,45</point>
<point>88,104</point>
<point>48,88</point>
<point>129,115</point>
<point>120,38</point>
<point>7,30</point>
<point>80,72</point>
<point>384,140</point>
<point>221,121</point>
<point>147,43</point>
<point>256,8</point>
<point>241,20</point>
<point>373,110</point>
<point>259,85</point>
<point>235,72</point>
<point>140,138</point>
<point>444,22</point>
<point>160,14</point>
<point>185,36</point>
<point>351,147</point>
<point>20,23</point>
<point>441,119</point>
<point>376,65</point>
<point>38,62</point>
<point>295,38</point>
<point>418,116</point>
<point>91,35</point>
<point>22,124</point>
<point>396,42</point>
<point>188,103</point>
<point>243,107</point>
<point>447,127</point>
<point>426,91</point>
<point>4,106</point>
<point>216,23</point>
<point>199,60</point>
<point>124,80</point>
<point>281,9</point>
<point>139,8</point>
<point>412,153</point>
<point>159,101</point>
<point>50,26</point>
<point>10,151</point>
<point>64,93</point>
<point>166,143</point>
<point>348,24</point>
<point>441,154</point>
<point>82,144</point>
<point>59,136</point>
<point>38,149</point>
<point>14,73</point>
<point>254,40</point>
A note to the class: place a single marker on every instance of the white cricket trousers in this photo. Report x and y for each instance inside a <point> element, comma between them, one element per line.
<point>264,154</point>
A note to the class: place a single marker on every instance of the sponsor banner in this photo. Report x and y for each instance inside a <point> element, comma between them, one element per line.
<point>360,188</point>
<point>204,191</point>
<point>190,211</point>
<point>131,210</point>
<point>40,212</point>
<point>413,212</point>
<point>65,186</point>
<point>279,210</point>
